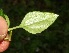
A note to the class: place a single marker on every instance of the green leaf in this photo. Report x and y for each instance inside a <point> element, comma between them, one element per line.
<point>7,20</point>
<point>1,12</point>
<point>36,22</point>
<point>5,17</point>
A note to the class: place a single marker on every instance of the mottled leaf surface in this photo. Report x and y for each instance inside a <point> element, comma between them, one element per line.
<point>36,22</point>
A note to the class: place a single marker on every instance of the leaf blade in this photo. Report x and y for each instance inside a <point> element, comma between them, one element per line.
<point>7,20</point>
<point>5,17</point>
<point>36,22</point>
